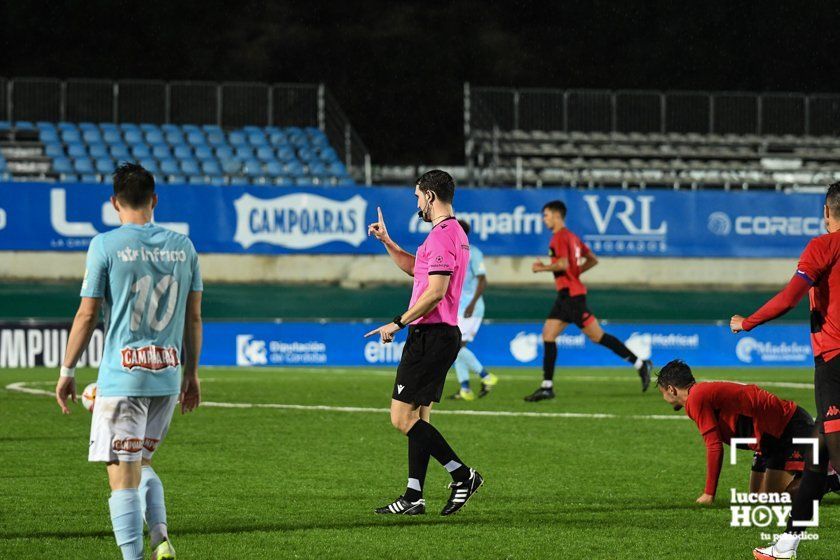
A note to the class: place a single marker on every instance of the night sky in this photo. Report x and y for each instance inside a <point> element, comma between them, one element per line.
<point>397,68</point>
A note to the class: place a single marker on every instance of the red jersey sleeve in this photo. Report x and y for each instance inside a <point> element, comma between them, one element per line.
<point>700,410</point>
<point>781,303</point>
<point>814,261</point>
<point>558,249</point>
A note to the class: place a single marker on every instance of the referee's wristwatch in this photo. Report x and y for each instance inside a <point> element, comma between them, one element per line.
<point>398,322</point>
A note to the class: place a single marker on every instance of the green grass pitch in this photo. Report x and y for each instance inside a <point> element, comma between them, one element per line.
<point>302,483</point>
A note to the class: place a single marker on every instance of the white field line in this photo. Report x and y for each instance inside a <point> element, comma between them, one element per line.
<point>21,387</point>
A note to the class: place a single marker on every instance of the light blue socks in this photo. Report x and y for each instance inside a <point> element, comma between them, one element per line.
<point>154,508</point>
<point>127,520</point>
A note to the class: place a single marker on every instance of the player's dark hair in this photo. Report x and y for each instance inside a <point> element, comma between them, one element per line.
<point>832,199</point>
<point>556,206</point>
<point>465,226</point>
<point>675,373</point>
<point>439,182</point>
<point>133,185</point>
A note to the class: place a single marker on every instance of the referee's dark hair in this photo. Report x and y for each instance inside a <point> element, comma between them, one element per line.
<point>133,185</point>
<point>675,373</point>
<point>832,199</point>
<point>556,206</point>
<point>465,226</point>
<point>439,182</point>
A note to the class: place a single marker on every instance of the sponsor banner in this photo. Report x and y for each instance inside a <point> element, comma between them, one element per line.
<point>505,344</point>
<point>497,344</point>
<point>504,221</point>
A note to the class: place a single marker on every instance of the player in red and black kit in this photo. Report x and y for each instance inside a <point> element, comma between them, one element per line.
<point>570,258</point>
<point>724,410</point>
<point>818,273</point>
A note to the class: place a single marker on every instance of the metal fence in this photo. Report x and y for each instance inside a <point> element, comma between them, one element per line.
<point>587,110</point>
<point>228,104</point>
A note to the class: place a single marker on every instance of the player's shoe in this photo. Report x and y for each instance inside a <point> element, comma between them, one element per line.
<point>401,506</point>
<point>487,383</point>
<point>163,551</point>
<point>463,395</point>
<point>833,483</point>
<point>461,492</point>
<point>770,553</point>
<point>644,373</point>
<point>540,394</point>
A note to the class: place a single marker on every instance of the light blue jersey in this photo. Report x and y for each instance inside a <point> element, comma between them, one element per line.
<point>144,274</point>
<point>475,270</point>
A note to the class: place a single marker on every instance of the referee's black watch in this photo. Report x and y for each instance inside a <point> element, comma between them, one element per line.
<point>398,322</point>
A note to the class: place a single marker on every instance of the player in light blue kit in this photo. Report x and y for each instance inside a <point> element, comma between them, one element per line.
<point>147,282</point>
<point>470,316</point>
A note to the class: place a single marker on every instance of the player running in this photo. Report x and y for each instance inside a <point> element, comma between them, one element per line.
<point>470,316</point>
<point>566,251</point>
<point>432,344</point>
<point>818,272</point>
<point>146,279</point>
<point>724,410</point>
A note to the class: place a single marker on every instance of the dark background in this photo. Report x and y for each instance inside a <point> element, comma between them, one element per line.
<point>398,68</point>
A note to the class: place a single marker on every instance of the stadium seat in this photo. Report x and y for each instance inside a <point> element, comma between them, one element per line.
<point>83,166</point>
<point>63,125</point>
<point>154,138</point>
<point>119,151</point>
<point>150,165</point>
<point>218,181</point>
<point>54,150</point>
<point>62,165</point>
<point>176,179</point>
<point>148,127</point>
<point>183,152</point>
<point>68,136</point>
<point>216,138</point>
<point>231,166</point>
<point>112,137</point>
<point>92,135</point>
<point>89,178</point>
<point>294,169</point>
<point>286,154</point>
<point>278,139</point>
<point>196,180</point>
<point>224,152</point>
<point>167,128</point>
<point>211,168</point>
<point>174,137</point>
<point>239,180</point>
<point>169,167</point>
<point>104,166</point>
<point>317,169</point>
<point>140,151</point>
<point>48,135</point>
<point>196,138</point>
<point>161,152</point>
<point>257,139</point>
<point>203,153</point>
<point>190,167</point>
<point>68,178</point>
<point>237,139</point>
<point>77,150</point>
<point>245,152</point>
<point>274,169</point>
<point>98,150</point>
<point>284,181</point>
<point>133,137</point>
<point>266,153</point>
<point>252,168</point>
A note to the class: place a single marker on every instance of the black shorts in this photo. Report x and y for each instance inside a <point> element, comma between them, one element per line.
<point>571,309</point>
<point>827,394</point>
<point>781,453</point>
<point>429,352</point>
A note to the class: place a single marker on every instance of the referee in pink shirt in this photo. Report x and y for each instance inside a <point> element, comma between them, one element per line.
<point>433,342</point>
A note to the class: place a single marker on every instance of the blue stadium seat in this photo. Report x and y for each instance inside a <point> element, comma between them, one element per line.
<point>54,150</point>
<point>133,136</point>
<point>5,125</point>
<point>257,139</point>
<point>129,126</point>
<point>278,139</point>
<point>307,155</point>
<point>62,126</point>
<point>237,139</point>
<point>187,128</point>
<point>169,167</point>
<point>161,152</point>
<point>112,137</point>
<point>104,166</point>
<point>140,151</point>
<point>211,168</point>
<point>150,165</point>
<point>68,136</point>
<point>274,169</point>
<point>283,182</point>
<point>62,165</point>
<point>294,169</point>
<point>24,125</point>
<point>77,150</point>
<point>176,180</point>
<point>299,140</point>
<point>119,152</point>
<point>337,168</point>
<point>83,166</point>
<point>231,166</point>
<point>218,181</point>
<point>92,136</point>
<point>89,178</point>
<point>245,152</point>
<point>345,181</point>
<point>266,153</point>
<point>224,152</point>
<point>87,126</point>
<point>183,152</point>
<point>190,167</point>
<point>204,153</point>
<point>196,138</point>
<point>214,128</point>
<point>48,135</point>
<point>98,151</point>
<point>154,138</point>
<point>196,180</point>
<point>286,154</point>
<point>252,167</point>
<point>68,178</point>
<point>106,126</point>
<point>327,154</point>
<point>216,139</point>
<point>148,127</point>
<point>251,128</point>
<point>45,125</point>
<point>239,180</point>
<point>317,169</point>
<point>303,181</point>
<point>174,137</point>
<point>167,128</point>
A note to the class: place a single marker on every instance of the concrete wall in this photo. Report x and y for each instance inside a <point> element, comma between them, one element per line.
<point>358,270</point>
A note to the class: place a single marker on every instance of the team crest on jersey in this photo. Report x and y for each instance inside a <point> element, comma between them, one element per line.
<point>152,358</point>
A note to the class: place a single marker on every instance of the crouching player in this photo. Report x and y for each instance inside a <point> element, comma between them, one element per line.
<point>724,410</point>
<point>146,280</point>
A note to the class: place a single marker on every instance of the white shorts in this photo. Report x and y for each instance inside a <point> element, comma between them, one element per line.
<point>128,428</point>
<point>469,327</point>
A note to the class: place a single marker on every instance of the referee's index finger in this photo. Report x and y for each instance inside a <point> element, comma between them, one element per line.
<point>379,211</point>
<point>374,331</point>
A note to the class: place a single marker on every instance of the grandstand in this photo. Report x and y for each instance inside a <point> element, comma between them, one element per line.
<point>587,138</point>
<point>226,142</point>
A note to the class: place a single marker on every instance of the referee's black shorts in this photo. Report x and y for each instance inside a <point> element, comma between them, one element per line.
<point>429,352</point>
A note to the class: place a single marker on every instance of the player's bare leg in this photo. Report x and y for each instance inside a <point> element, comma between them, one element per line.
<point>756,482</point>
<point>552,328</point>
<point>126,508</point>
<point>592,329</point>
<point>777,481</point>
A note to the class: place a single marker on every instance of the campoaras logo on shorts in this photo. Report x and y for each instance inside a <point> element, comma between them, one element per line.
<point>299,221</point>
<point>152,358</point>
<point>133,445</point>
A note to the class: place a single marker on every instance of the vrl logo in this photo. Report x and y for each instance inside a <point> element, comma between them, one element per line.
<point>634,213</point>
<point>66,228</point>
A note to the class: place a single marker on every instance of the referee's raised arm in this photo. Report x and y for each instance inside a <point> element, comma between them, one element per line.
<point>401,257</point>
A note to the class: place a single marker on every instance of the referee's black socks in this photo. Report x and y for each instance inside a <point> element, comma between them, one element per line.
<point>432,441</point>
<point>418,463</point>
